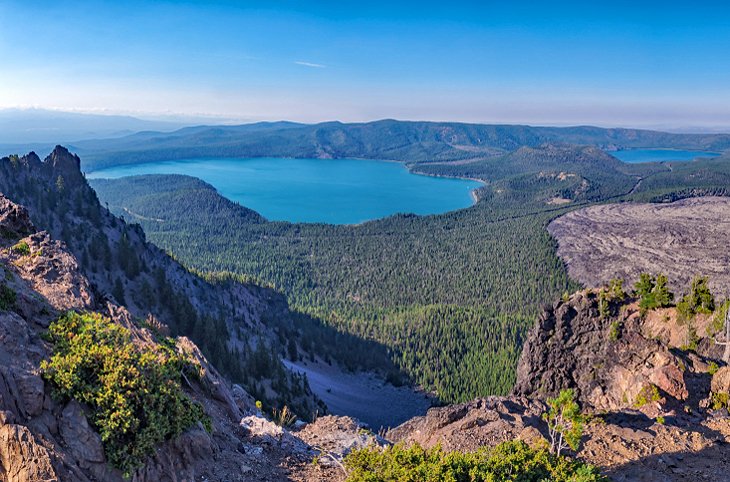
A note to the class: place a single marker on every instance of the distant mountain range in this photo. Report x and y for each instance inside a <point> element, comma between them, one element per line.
<point>105,140</point>
<point>21,126</point>
<point>385,139</point>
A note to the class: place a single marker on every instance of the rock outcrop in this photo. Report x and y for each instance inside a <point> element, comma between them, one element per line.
<point>479,423</point>
<point>226,318</point>
<point>46,439</point>
<point>650,402</point>
<point>607,360</point>
<point>67,166</point>
<point>14,220</point>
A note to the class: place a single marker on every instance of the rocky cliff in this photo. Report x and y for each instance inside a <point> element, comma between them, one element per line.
<point>242,328</point>
<point>607,359</point>
<point>46,438</point>
<point>655,387</point>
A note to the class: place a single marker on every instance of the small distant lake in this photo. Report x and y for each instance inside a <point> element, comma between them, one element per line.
<point>336,191</point>
<point>659,155</point>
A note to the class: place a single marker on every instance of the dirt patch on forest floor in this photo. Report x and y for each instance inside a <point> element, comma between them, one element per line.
<point>681,239</point>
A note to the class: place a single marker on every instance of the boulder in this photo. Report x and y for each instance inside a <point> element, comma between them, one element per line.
<point>22,458</point>
<point>469,426</point>
<point>721,380</point>
<point>670,379</point>
<point>83,442</point>
<point>14,220</point>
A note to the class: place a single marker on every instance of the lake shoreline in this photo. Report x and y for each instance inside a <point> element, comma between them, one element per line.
<point>660,155</point>
<point>307,190</point>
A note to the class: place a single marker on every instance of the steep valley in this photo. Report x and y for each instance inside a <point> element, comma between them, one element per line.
<point>241,327</point>
<point>447,302</point>
<point>658,409</point>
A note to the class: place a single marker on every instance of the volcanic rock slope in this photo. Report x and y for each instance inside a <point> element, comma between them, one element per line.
<point>651,399</point>
<point>681,239</point>
<point>43,438</point>
<point>225,318</point>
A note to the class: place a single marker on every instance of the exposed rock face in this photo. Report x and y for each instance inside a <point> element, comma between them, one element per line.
<point>44,439</point>
<point>118,264</point>
<point>634,436</point>
<point>479,423</point>
<point>721,381</point>
<point>83,443</point>
<point>22,458</point>
<point>607,360</point>
<point>53,273</point>
<point>63,163</point>
<point>14,220</point>
<point>627,445</point>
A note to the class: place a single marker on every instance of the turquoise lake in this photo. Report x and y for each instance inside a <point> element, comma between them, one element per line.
<point>659,155</point>
<point>336,191</point>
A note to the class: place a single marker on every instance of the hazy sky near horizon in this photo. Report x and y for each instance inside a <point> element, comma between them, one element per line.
<point>644,64</point>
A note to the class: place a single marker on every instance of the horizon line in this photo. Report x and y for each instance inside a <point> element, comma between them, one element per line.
<point>185,120</point>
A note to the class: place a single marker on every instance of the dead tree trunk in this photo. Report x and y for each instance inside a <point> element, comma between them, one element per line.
<point>726,343</point>
<point>726,354</point>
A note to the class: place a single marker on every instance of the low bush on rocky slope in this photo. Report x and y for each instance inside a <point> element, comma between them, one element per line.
<point>511,461</point>
<point>132,390</point>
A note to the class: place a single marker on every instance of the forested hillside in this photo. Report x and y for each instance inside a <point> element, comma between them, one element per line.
<point>385,139</point>
<point>449,295</point>
<point>442,292</point>
<point>687,179</point>
<point>242,328</point>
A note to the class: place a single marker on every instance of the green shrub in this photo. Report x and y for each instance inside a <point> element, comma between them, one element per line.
<point>7,297</point>
<point>509,461</point>
<point>699,300</point>
<point>662,296</point>
<point>133,392</point>
<point>692,339</point>
<point>614,330</point>
<point>616,288</point>
<point>22,248</point>
<point>712,368</point>
<point>565,422</point>
<point>645,285</point>
<point>660,420</point>
<point>603,307</point>
<point>653,292</point>
<point>720,400</point>
<point>649,393</point>
<point>284,417</point>
<point>718,321</point>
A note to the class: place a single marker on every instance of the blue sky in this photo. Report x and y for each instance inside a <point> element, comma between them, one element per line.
<point>657,64</point>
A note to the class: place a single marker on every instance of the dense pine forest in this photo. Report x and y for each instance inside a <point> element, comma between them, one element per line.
<point>439,291</point>
<point>244,341</point>
<point>449,295</point>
